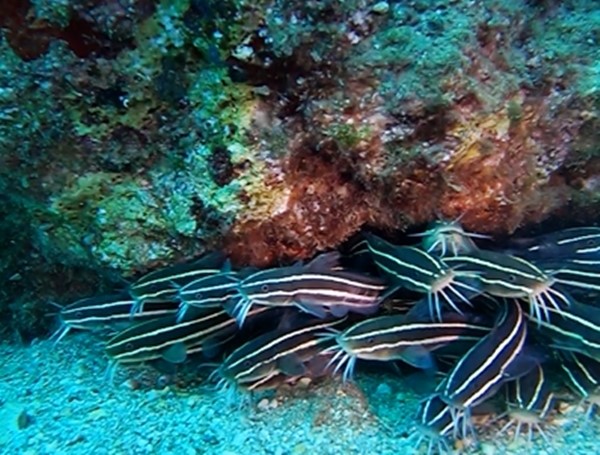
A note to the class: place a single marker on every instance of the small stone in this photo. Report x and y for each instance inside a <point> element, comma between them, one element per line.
<point>24,420</point>
<point>163,381</point>
<point>130,384</point>
<point>383,389</point>
<point>304,383</point>
<point>243,52</point>
<point>381,7</point>
<point>152,395</point>
<point>192,401</point>
<point>82,369</point>
<point>13,417</point>
<point>97,413</point>
<point>210,438</point>
<point>299,449</point>
<point>487,448</point>
<point>263,404</point>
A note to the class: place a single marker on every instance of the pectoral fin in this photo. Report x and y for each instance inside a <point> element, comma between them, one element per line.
<point>291,366</point>
<point>176,353</point>
<point>312,308</point>
<point>418,357</point>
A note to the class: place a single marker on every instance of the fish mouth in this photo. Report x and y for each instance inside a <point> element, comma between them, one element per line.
<point>523,419</point>
<point>224,383</point>
<point>448,289</point>
<point>232,392</point>
<point>60,333</point>
<point>541,298</point>
<point>341,360</point>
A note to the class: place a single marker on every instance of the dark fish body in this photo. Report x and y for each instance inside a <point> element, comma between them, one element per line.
<point>577,276</point>
<point>531,392</point>
<point>318,288</point>
<point>573,243</point>
<point>406,266</point>
<point>164,283</point>
<point>503,275</point>
<point>444,238</point>
<point>278,352</point>
<point>209,292</point>
<point>575,329</point>
<point>167,339</point>
<point>435,424</point>
<point>358,256</point>
<point>110,312</point>
<point>583,376</point>
<point>396,338</point>
<point>493,360</point>
<point>414,269</point>
<point>351,292</point>
<point>314,368</point>
<point>271,381</point>
<point>529,401</point>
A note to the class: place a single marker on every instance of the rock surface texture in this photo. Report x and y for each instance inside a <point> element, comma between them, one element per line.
<point>136,134</point>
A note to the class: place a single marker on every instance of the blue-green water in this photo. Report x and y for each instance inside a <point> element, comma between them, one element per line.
<point>136,136</point>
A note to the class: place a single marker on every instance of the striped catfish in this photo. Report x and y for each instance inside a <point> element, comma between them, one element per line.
<point>414,269</point>
<point>577,276</point>
<point>529,400</point>
<point>163,284</point>
<point>572,243</point>
<point>395,337</point>
<point>318,288</point>
<point>209,292</point>
<point>165,338</point>
<point>314,368</point>
<point>435,424</point>
<point>503,275</point>
<point>575,329</point>
<point>278,352</point>
<point>444,238</point>
<point>110,312</point>
<point>495,359</point>
<point>583,377</point>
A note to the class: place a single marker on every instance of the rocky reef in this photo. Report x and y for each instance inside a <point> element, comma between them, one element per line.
<point>138,134</point>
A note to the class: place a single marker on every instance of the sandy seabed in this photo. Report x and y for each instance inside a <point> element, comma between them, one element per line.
<point>55,399</point>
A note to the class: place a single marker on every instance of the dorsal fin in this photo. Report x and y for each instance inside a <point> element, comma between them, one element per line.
<point>324,261</point>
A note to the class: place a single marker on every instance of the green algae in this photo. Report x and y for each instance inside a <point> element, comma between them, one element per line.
<point>292,25</point>
<point>125,220</point>
<point>419,52</point>
<point>223,199</point>
<point>348,136</point>
<point>56,12</point>
<point>32,119</point>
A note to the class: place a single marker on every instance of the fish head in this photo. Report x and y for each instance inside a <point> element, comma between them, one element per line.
<point>266,286</point>
<point>369,340</point>
<point>95,313</point>
<point>240,367</point>
<point>504,275</point>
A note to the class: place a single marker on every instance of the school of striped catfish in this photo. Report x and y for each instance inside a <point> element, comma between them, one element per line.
<point>510,325</point>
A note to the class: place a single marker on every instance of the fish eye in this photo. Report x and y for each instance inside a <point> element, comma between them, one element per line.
<point>247,363</point>
<point>199,295</point>
<point>591,242</point>
<point>264,288</point>
<point>370,340</point>
<point>78,314</point>
<point>512,278</point>
<point>129,346</point>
